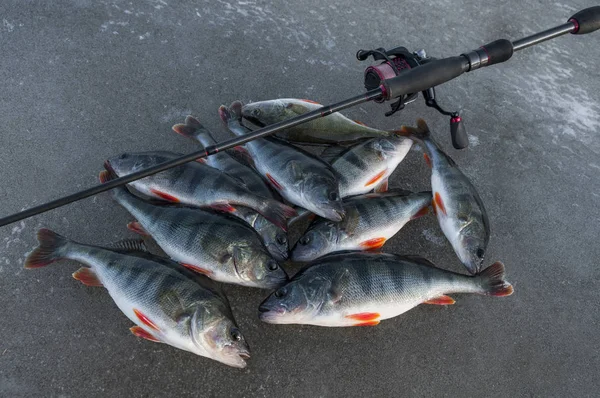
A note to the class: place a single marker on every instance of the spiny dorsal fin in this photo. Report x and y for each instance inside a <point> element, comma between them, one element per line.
<point>129,245</point>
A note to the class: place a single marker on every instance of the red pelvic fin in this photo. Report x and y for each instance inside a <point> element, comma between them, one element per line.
<point>439,203</point>
<point>144,319</point>
<point>364,316</point>
<point>441,300</point>
<point>140,332</point>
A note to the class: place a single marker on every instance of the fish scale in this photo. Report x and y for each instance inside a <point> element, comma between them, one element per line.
<point>370,221</point>
<point>298,176</point>
<point>367,165</point>
<point>196,184</point>
<point>219,246</point>
<point>360,289</point>
<point>139,282</point>
<point>459,208</point>
<point>333,129</point>
<point>274,239</point>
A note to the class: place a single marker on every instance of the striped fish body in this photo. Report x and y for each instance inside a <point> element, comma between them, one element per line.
<point>296,175</point>
<point>165,302</point>
<point>459,209</point>
<point>367,165</point>
<point>370,221</point>
<point>213,244</point>
<point>332,129</point>
<point>274,239</point>
<point>224,161</point>
<point>361,289</point>
<point>196,185</point>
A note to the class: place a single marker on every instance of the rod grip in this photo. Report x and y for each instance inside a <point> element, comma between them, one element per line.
<point>587,20</point>
<point>429,75</point>
<point>498,51</point>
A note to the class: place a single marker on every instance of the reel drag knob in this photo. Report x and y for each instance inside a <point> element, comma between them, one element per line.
<point>460,140</point>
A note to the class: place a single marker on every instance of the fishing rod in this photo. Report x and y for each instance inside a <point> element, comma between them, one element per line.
<point>400,76</point>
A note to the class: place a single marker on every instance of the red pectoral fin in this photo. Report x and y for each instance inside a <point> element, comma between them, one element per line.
<point>427,160</point>
<point>364,316</point>
<point>199,270</point>
<point>139,332</point>
<point>442,300</point>
<point>164,195</point>
<point>274,182</point>
<point>376,178</point>
<point>373,244</point>
<point>144,319</point>
<point>359,122</point>
<point>439,203</point>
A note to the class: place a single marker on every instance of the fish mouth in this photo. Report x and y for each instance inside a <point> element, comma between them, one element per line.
<point>245,355</point>
<point>275,281</point>
<point>277,315</point>
<point>263,308</point>
<point>473,269</point>
<point>278,253</point>
<point>333,213</point>
<point>301,257</point>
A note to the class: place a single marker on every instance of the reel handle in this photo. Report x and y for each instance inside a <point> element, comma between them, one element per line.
<point>586,21</point>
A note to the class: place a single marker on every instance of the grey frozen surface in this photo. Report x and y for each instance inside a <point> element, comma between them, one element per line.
<point>83,80</point>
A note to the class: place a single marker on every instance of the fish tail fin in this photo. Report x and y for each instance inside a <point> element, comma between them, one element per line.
<point>190,128</point>
<point>52,248</point>
<point>492,281</point>
<point>227,116</point>
<point>277,212</point>
<point>118,192</point>
<point>236,109</point>
<point>419,133</point>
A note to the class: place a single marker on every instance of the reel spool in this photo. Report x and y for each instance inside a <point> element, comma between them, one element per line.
<point>397,61</point>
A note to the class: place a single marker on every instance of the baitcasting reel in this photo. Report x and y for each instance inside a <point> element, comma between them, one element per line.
<point>399,60</point>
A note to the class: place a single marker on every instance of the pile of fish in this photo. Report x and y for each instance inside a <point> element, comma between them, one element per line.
<point>224,219</point>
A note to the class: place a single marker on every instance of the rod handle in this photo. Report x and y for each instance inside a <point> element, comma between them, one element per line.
<point>498,51</point>
<point>586,21</point>
<point>429,75</point>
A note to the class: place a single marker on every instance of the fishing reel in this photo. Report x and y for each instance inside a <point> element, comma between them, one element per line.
<point>397,61</point>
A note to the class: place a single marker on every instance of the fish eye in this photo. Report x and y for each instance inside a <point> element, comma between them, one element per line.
<point>334,195</point>
<point>124,156</point>
<point>235,334</point>
<point>256,112</point>
<point>480,252</point>
<point>281,239</point>
<point>272,265</point>
<point>305,240</point>
<point>281,292</point>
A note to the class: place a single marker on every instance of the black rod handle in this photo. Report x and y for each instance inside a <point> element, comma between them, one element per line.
<point>587,20</point>
<point>429,75</point>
